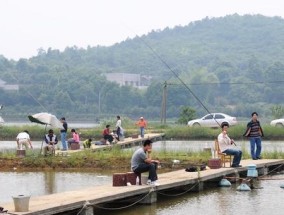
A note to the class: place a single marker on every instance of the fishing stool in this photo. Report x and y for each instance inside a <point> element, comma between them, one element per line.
<point>132,176</point>
<point>138,174</point>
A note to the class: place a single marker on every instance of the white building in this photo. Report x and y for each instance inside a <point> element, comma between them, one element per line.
<point>5,86</point>
<point>128,79</point>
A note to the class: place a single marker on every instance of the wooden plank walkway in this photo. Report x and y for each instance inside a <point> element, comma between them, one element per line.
<point>127,142</point>
<point>66,201</point>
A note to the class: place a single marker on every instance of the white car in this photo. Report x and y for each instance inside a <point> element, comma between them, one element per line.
<point>213,120</point>
<point>277,122</point>
<point>1,120</point>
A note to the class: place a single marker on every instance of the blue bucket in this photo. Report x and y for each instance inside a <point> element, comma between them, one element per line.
<point>252,171</point>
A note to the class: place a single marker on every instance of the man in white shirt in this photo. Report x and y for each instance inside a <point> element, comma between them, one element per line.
<point>227,145</point>
<point>23,139</point>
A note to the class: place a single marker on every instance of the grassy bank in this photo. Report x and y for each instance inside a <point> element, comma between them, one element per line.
<point>114,159</point>
<point>117,159</point>
<point>173,131</point>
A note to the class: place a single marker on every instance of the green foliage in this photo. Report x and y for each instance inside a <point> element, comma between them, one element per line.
<point>224,62</point>
<point>277,111</point>
<point>187,113</point>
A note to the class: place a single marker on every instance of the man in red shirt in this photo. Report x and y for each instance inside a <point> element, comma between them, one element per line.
<point>107,134</point>
<point>142,124</point>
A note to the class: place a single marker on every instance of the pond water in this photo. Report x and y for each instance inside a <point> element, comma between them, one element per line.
<point>70,124</point>
<point>47,182</point>
<point>268,200</point>
<point>176,145</point>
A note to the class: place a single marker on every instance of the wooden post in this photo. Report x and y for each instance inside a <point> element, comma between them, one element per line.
<point>21,153</point>
<point>164,104</point>
<point>88,211</point>
<point>151,198</point>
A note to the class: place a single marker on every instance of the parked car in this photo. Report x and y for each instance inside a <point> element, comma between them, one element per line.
<point>277,122</point>
<point>1,120</point>
<point>213,120</point>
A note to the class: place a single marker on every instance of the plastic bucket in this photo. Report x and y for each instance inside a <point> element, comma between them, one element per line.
<point>21,203</point>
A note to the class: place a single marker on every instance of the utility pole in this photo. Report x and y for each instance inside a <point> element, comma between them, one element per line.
<point>164,104</point>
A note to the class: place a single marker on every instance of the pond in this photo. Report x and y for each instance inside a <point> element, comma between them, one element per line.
<point>212,201</point>
<point>47,182</point>
<point>267,200</point>
<point>176,145</point>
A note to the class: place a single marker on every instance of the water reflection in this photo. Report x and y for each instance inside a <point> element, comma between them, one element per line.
<point>267,200</point>
<point>47,182</point>
<point>216,201</point>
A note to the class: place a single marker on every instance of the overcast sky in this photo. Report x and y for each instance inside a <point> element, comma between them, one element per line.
<point>27,25</point>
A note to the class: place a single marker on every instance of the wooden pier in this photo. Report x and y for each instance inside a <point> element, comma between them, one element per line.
<point>86,199</point>
<point>127,142</point>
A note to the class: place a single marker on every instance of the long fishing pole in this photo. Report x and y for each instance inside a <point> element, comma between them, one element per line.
<point>29,93</point>
<point>184,84</point>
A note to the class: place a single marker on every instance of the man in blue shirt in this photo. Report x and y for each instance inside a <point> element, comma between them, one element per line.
<point>63,134</point>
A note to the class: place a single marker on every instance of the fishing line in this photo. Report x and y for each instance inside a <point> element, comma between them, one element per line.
<point>29,93</point>
<point>174,73</point>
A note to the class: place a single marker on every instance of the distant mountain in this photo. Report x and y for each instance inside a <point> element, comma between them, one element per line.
<point>227,62</point>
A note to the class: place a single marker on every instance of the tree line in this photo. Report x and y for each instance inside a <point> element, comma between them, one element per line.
<point>231,64</point>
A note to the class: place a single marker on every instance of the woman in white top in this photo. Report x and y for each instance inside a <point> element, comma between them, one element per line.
<point>118,127</point>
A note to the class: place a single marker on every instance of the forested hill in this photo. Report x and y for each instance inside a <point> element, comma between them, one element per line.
<point>233,64</point>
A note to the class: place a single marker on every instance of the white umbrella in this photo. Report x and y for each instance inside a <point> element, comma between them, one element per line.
<point>46,119</point>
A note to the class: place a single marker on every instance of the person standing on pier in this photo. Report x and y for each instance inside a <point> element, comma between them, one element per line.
<point>254,133</point>
<point>141,161</point>
<point>142,124</point>
<point>118,127</point>
<point>227,146</point>
<point>63,134</point>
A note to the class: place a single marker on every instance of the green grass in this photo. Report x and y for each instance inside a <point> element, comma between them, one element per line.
<point>114,159</point>
<point>173,131</point>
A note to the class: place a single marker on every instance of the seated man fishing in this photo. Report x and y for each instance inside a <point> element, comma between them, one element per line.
<point>228,146</point>
<point>142,162</point>
<point>50,140</point>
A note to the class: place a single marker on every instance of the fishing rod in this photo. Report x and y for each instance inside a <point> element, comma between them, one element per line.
<point>176,75</point>
<point>14,77</point>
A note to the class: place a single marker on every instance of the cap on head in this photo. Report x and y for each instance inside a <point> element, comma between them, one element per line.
<point>141,117</point>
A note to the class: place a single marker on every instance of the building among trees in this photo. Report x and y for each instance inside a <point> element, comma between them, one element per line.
<point>5,86</point>
<point>128,79</point>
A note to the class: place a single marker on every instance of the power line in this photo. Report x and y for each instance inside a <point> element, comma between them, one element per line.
<point>176,75</point>
<point>230,83</point>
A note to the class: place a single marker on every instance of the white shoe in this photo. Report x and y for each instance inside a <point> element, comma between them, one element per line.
<point>154,183</point>
<point>148,182</point>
